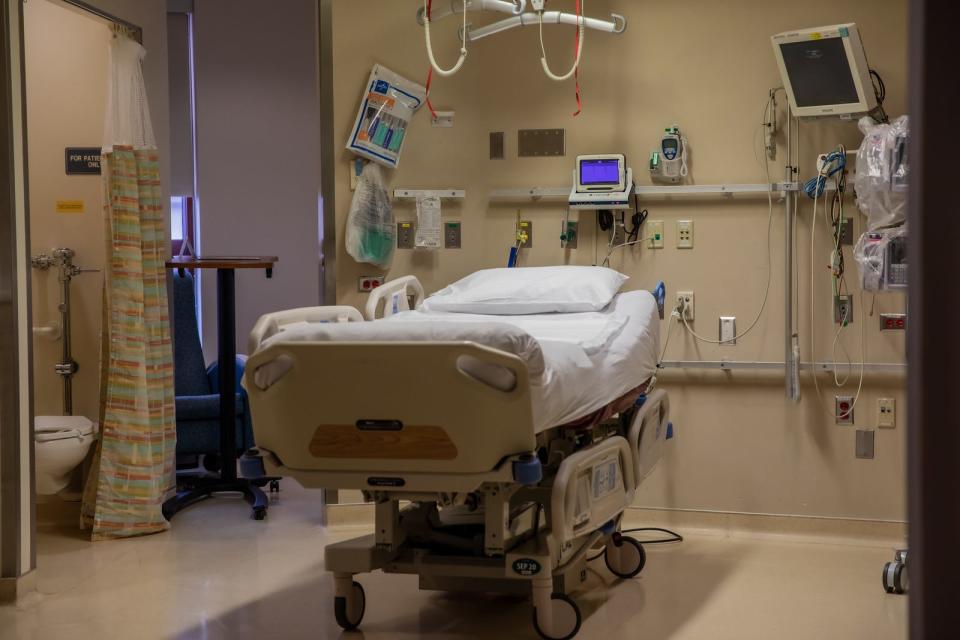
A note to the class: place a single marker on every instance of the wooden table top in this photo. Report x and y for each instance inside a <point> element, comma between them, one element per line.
<point>222,262</point>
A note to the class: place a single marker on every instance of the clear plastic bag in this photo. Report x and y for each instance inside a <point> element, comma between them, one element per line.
<point>881,258</point>
<point>371,229</point>
<point>882,173</point>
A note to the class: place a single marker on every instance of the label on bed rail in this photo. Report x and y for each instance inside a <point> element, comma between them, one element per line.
<point>526,567</point>
<point>605,479</point>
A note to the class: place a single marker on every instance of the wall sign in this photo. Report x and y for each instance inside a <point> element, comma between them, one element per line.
<point>83,161</point>
<point>71,206</point>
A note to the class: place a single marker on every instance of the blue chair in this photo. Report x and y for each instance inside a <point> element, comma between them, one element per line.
<point>198,387</point>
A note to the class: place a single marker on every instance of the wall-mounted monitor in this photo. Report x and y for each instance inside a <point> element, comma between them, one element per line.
<point>825,71</point>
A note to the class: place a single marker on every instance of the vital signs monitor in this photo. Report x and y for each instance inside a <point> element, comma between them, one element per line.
<point>601,182</point>
<point>825,71</point>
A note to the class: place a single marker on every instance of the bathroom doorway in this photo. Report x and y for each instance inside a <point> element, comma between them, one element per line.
<point>66,49</point>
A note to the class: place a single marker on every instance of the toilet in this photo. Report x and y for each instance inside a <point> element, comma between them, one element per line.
<point>62,442</point>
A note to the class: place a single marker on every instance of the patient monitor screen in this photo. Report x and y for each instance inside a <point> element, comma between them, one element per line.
<point>600,173</point>
<point>820,72</point>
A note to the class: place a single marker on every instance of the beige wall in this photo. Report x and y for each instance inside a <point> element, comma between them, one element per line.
<point>66,70</point>
<point>706,65</point>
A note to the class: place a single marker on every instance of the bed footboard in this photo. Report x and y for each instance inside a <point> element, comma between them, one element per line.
<point>390,415</point>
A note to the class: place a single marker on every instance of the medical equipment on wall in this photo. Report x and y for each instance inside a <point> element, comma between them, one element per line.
<point>883,173</point>
<point>825,71</point>
<point>434,10</point>
<point>429,220</point>
<point>832,166</point>
<point>371,230</point>
<point>669,163</point>
<point>602,182</point>
<point>387,108</point>
<point>882,259</point>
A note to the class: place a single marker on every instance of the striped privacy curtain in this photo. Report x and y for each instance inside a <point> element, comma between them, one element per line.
<point>134,469</point>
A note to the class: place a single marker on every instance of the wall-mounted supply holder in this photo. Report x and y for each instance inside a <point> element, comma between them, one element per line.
<point>443,194</point>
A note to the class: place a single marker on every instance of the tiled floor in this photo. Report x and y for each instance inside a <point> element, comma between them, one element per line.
<point>219,574</point>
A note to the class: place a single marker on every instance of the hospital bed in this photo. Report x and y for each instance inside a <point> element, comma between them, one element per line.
<point>498,451</point>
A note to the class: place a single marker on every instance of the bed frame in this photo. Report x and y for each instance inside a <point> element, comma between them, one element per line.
<point>493,506</point>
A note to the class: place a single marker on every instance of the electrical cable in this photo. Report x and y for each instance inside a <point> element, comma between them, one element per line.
<point>766,294</point>
<point>581,26</point>
<point>427,12</point>
<point>822,169</point>
<point>674,538</point>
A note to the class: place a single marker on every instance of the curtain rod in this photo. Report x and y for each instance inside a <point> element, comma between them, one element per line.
<point>136,32</point>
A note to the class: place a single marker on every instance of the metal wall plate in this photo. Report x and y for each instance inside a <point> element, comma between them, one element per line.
<point>406,235</point>
<point>865,444</point>
<point>541,143</point>
<point>843,309</point>
<point>847,237</point>
<point>452,235</point>
<point>497,145</point>
<point>526,226</point>
<point>728,331</point>
<point>572,237</point>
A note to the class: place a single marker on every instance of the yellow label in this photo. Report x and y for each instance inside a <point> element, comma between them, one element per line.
<point>816,36</point>
<point>70,206</point>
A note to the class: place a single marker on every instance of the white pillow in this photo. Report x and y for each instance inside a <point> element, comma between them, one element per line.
<point>526,291</point>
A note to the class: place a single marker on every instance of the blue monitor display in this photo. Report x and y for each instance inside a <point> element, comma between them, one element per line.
<point>599,172</point>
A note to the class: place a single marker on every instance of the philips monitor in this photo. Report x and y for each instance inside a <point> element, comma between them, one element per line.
<point>603,173</point>
<point>825,71</point>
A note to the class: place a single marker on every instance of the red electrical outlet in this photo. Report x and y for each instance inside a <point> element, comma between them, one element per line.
<point>367,284</point>
<point>893,322</point>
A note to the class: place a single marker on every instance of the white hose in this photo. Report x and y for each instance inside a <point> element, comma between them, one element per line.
<point>581,20</point>
<point>463,49</point>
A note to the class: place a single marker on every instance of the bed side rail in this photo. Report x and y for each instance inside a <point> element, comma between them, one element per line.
<point>394,297</point>
<point>384,408</point>
<point>272,323</point>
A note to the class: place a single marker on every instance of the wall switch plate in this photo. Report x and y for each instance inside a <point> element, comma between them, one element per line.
<point>887,413</point>
<point>893,322</point>
<point>406,235</point>
<point>571,236</point>
<point>366,284</point>
<point>525,227</point>
<point>684,234</point>
<point>866,444</point>
<point>728,331</point>
<point>687,298</point>
<point>847,237</point>
<point>452,235</point>
<point>443,119</point>
<point>844,409</point>
<point>843,309</point>
<point>655,239</point>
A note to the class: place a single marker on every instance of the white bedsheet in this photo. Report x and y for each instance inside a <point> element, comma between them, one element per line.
<point>578,362</point>
<point>590,359</point>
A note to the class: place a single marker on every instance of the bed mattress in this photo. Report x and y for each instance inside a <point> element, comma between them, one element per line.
<point>589,359</point>
<point>578,363</point>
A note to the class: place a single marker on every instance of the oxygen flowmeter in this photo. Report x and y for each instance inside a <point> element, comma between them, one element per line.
<point>669,163</point>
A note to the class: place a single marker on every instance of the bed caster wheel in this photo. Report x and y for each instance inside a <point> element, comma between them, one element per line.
<point>895,578</point>
<point>625,557</point>
<point>349,611</point>
<point>274,486</point>
<point>564,620</point>
<point>259,513</point>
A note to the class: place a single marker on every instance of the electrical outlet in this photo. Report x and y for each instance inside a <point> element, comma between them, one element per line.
<point>844,409</point>
<point>843,309</point>
<point>728,331</point>
<point>406,235</point>
<point>366,284</point>
<point>571,236</point>
<point>525,233</point>
<point>887,413</point>
<point>655,239</point>
<point>684,234</point>
<point>452,235</point>
<point>686,298</point>
<point>443,119</point>
<point>893,322</point>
